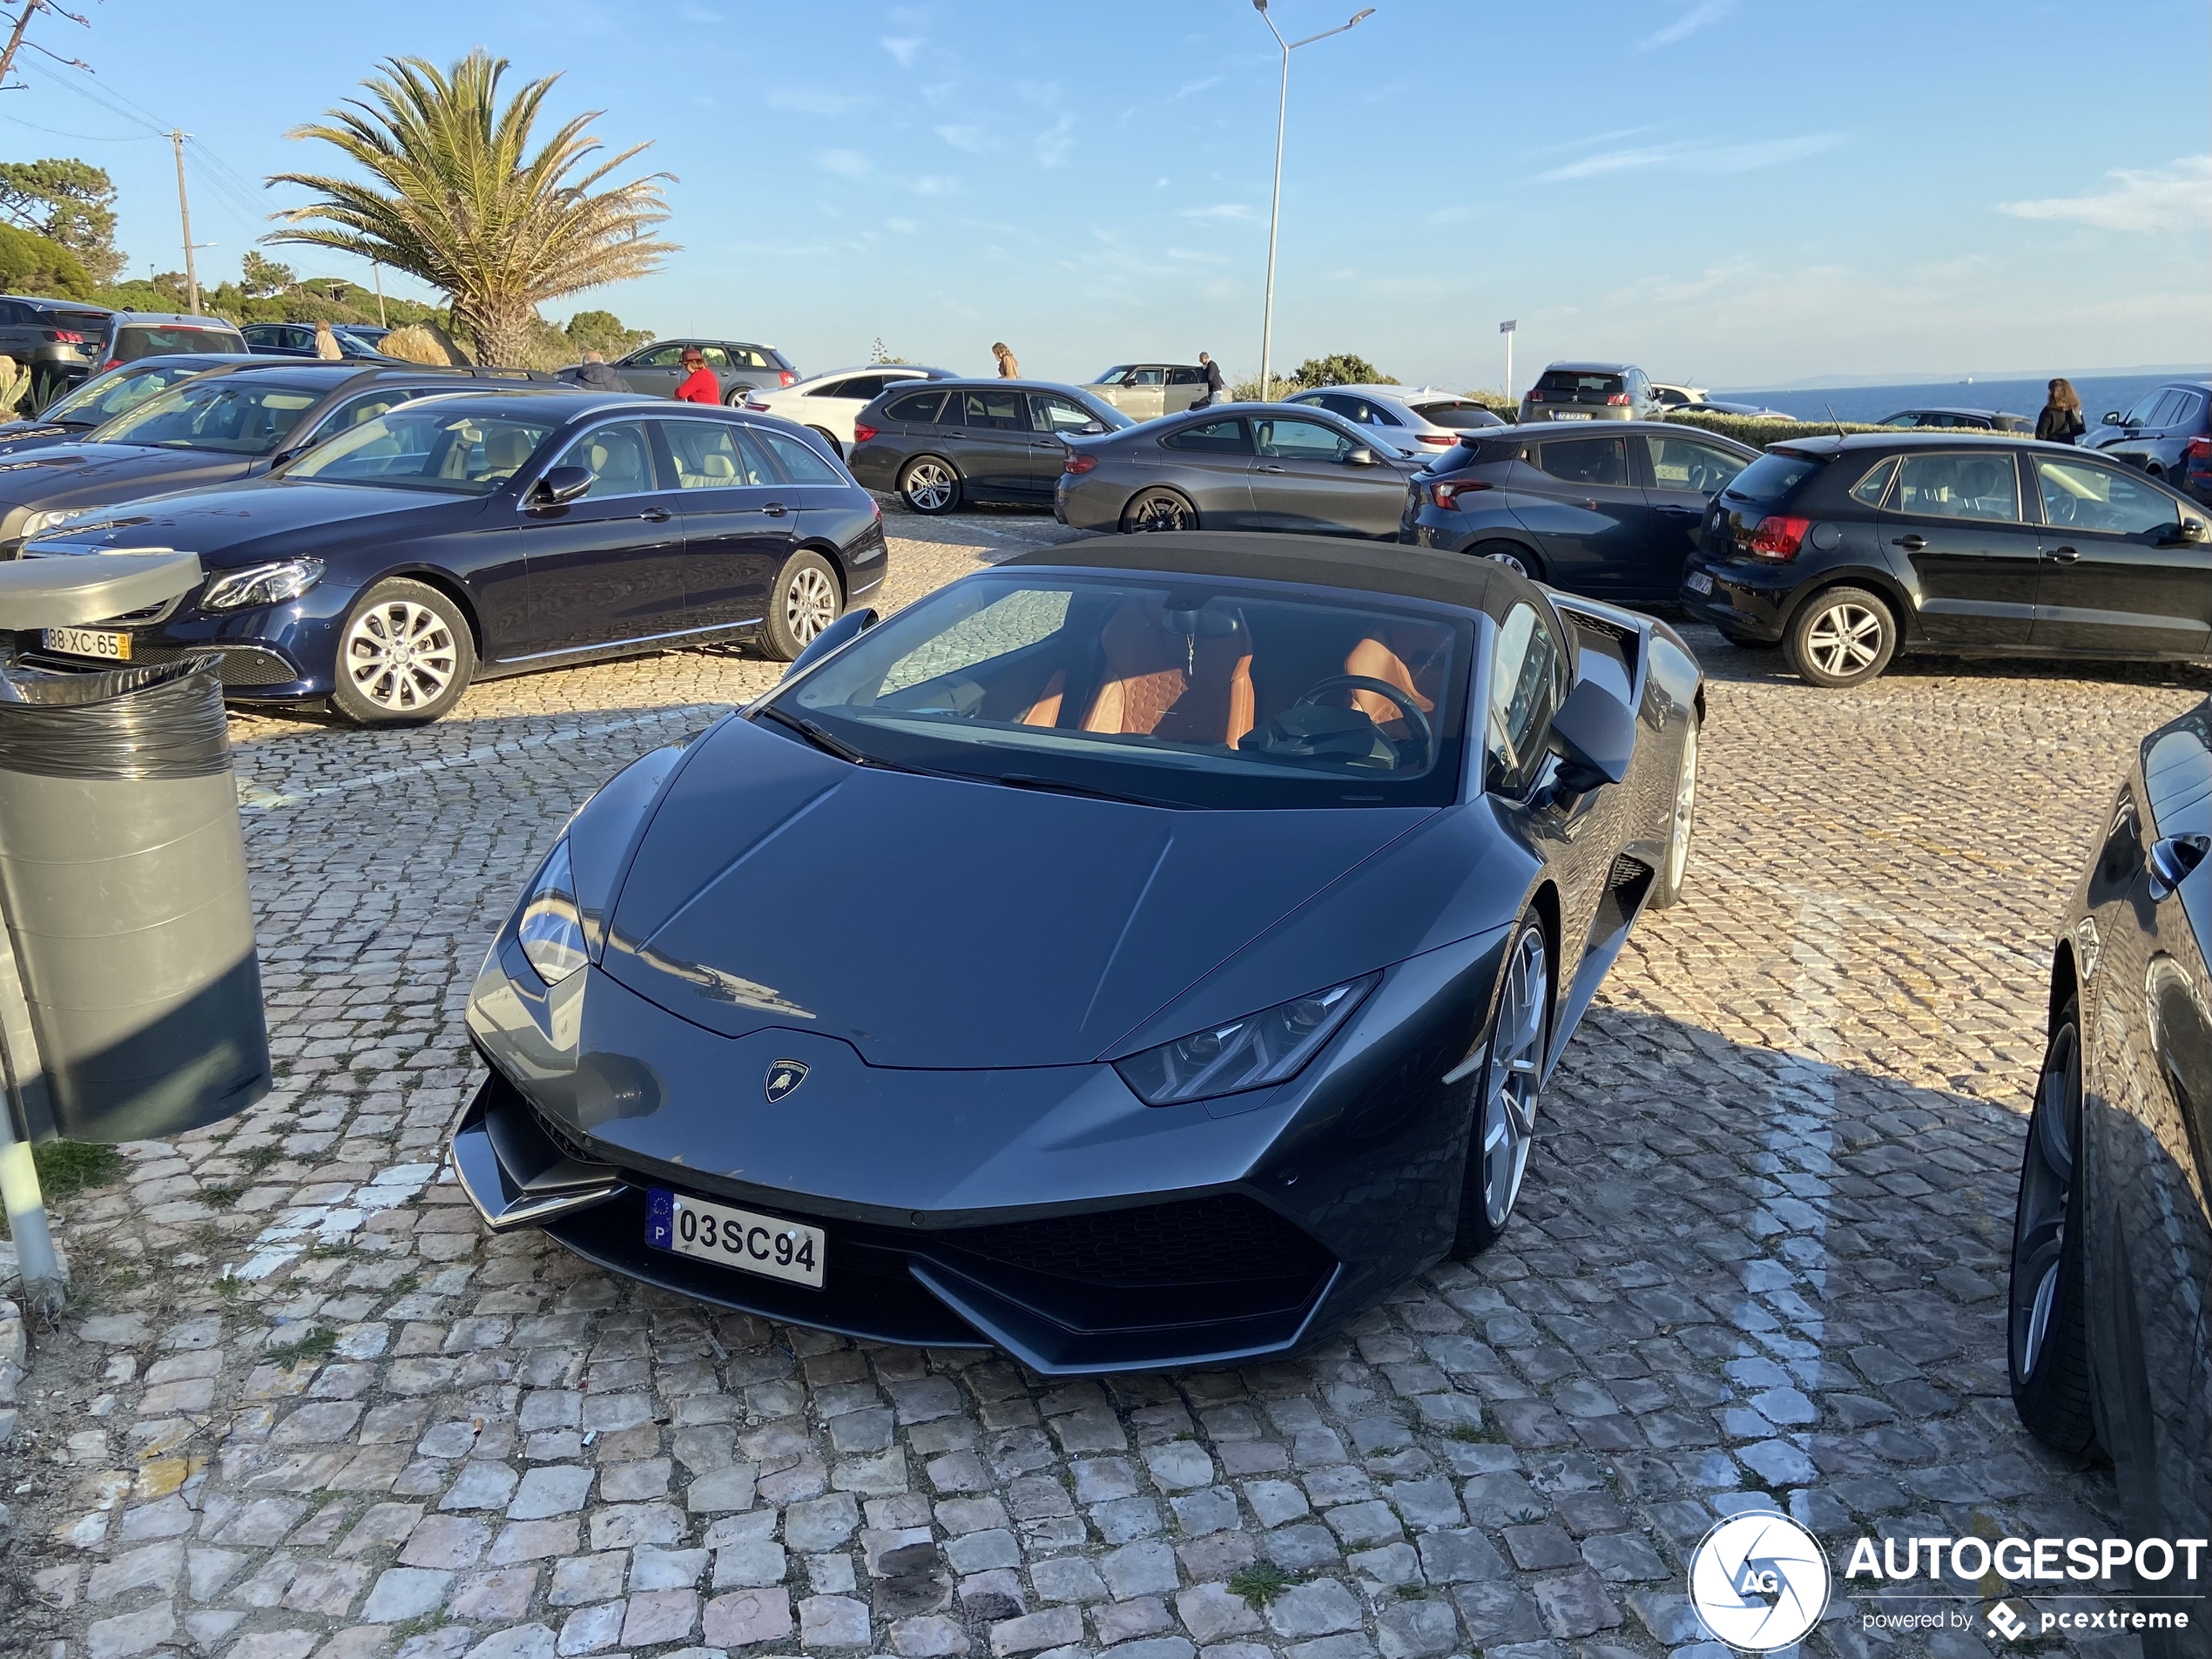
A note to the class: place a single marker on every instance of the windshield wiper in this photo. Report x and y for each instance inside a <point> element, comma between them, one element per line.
<point>816,735</point>
<point>1060,786</point>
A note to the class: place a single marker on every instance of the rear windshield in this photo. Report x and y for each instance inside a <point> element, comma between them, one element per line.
<point>117,392</point>
<point>431,446</point>
<point>921,407</point>
<point>136,339</point>
<point>1460,414</point>
<point>1773,478</point>
<point>1562,380</point>
<point>242,414</point>
<point>1183,692</point>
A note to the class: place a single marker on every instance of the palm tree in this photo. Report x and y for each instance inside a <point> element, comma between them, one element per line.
<point>456,196</point>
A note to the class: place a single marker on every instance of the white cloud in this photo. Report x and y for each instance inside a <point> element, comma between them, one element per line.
<point>1219,210</point>
<point>904,226</point>
<point>970,138</point>
<point>699,14</point>
<point>1052,148</point>
<point>902,47</point>
<point>1194,254</point>
<point>932,184</point>
<point>846,164</point>
<point>1699,16</point>
<point>1696,156</point>
<point>2178,198</point>
<point>804,102</point>
<point>1191,88</point>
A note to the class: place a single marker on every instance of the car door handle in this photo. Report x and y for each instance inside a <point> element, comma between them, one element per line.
<point>775,509</point>
<point>2065,555</point>
<point>1269,467</point>
<point>656,515</point>
<point>1911,544</point>
<point>1683,512</point>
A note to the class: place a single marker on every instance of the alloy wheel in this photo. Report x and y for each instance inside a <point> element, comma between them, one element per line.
<point>929,486</point>
<point>401,656</point>
<point>1162,512</point>
<point>1511,561</point>
<point>1843,639</point>
<point>2047,1186</point>
<point>810,604</point>
<point>1514,1075</point>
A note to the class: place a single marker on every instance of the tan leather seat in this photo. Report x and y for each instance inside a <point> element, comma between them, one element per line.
<point>1162,682</point>
<point>1382,653</point>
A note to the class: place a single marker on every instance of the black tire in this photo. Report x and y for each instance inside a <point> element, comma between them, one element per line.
<point>1841,637</point>
<point>836,449</point>
<point>806,598</point>
<point>405,656</point>
<point>1158,510</point>
<point>1513,555</point>
<point>1673,863</point>
<point>930,485</point>
<point>1482,1219</point>
<point>2046,1322</point>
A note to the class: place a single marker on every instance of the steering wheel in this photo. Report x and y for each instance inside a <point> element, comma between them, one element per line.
<point>1410,710</point>
<point>2060,506</point>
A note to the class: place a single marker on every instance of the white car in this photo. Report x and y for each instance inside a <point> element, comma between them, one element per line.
<point>1417,419</point>
<point>1675,396</point>
<point>828,402</point>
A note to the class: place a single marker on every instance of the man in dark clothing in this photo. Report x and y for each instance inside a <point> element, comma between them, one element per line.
<point>598,375</point>
<point>1217,388</point>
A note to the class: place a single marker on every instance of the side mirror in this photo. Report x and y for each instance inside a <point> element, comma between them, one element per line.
<point>1360,458</point>
<point>1091,428</point>
<point>2111,417</point>
<point>1594,734</point>
<point>560,486</point>
<point>840,634</point>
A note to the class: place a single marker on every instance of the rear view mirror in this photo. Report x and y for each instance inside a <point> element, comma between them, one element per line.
<point>561,485</point>
<point>844,629</point>
<point>1594,734</point>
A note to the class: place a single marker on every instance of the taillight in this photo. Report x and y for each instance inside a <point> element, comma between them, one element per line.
<point>1448,495</point>
<point>1535,397</point>
<point>1441,440</point>
<point>862,433</point>
<point>1079,462</point>
<point>2200,449</point>
<point>1619,400</point>
<point>68,339</point>
<point>757,408</point>
<point>1779,538</point>
<point>112,362</point>
<point>786,378</point>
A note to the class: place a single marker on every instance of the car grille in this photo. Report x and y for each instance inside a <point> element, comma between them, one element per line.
<point>1222,1238</point>
<point>244,666</point>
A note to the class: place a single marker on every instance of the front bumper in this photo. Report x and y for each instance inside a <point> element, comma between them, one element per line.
<point>274,653</point>
<point>1750,600</point>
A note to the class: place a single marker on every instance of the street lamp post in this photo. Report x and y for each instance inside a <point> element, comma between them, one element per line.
<point>1275,215</point>
<point>1509,329</point>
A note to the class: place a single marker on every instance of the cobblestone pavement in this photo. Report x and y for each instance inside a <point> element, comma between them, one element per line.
<point>1759,1262</point>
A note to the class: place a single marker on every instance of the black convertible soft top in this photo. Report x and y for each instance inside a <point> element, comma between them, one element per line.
<point>1320,561</point>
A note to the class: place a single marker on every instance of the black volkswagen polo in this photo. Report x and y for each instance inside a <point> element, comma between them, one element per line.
<point>489,533</point>
<point>1846,551</point>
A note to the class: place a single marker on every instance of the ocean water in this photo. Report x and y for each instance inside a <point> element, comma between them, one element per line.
<point>1869,403</point>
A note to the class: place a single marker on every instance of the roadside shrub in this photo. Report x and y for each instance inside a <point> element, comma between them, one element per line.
<point>30,264</point>
<point>423,342</point>
<point>1758,434</point>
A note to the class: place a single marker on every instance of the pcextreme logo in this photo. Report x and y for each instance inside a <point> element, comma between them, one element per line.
<point>1760,1582</point>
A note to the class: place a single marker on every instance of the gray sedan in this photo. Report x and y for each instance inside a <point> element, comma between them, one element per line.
<point>1248,467</point>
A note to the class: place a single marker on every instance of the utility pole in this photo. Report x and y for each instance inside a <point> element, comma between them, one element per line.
<point>184,212</point>
<point>1509,329</point>
<point>378,270</point>
<point>15,39</point>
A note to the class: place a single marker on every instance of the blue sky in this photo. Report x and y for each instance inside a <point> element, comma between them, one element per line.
<point>1745,192</point>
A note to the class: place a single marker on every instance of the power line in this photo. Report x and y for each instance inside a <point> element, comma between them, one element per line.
<point>81,137</point>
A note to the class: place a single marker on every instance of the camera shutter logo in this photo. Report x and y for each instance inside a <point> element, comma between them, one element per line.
<point>1759,1582</point>
<point>784,1076</point>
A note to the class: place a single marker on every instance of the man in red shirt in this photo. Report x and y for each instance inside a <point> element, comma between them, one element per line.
<point>699,385</point>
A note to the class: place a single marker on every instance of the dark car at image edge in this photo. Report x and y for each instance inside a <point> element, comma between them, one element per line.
<point>1846,551</point>
<point>484,533</point>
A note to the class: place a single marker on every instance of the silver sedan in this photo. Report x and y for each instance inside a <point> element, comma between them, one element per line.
<point>1238,467</point>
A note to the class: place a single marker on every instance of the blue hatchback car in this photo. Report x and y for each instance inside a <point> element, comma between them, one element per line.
<point>486,533</point>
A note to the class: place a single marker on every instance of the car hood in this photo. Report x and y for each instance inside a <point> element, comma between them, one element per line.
<point>211,521</point>
<point>92,474</point>
<point>936,923</point>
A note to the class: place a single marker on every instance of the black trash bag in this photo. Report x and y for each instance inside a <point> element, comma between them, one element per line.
<point>159,720</point>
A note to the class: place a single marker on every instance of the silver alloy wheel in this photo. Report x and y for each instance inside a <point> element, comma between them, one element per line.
<point>1685,810</point>
<point>401,656</point>
<point>930,485</point>
<point>1510,562</point>
<point>1514,1075</point>
<point>810,604</point>
<point>1843,639</point>
<point>1162,511</point>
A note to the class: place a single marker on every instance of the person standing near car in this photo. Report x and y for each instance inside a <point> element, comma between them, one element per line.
<point>327,346</point>
<point>2061,422</point>
<point>699,385</point>
<point>1008,369</point>
<point>1217,387</point>
<point>597,374</point>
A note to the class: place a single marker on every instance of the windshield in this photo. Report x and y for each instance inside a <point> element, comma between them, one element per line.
<point>117,393</point>
<point>430,445</point>
<point>1184,691</point>
<point>243,416</point>
<point>1112,374</point>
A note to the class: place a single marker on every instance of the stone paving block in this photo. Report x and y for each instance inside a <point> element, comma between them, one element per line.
<point>1054,1628</point>
<point>832,1621</point>
<point>658,1616</point>
<point>404,1593</point>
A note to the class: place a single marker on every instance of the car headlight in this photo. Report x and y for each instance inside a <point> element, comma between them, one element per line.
<point>550,926</point>
<point>262,584</point>
<point>39,523</point>
<point>1250,1053</point>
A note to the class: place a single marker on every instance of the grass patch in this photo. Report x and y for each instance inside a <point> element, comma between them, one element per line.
<point>67,1168</point>
<point>258,1158</point>
<point>221,1197</point>
<point>1484,1433</point>
<point>1260,1583</point>
<point>321,1250</point>
<point>313,1347</point>
<point>405,1284</point>
<point>230,1287</point>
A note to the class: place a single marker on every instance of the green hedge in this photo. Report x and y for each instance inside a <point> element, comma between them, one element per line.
<point>1758,434</point>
